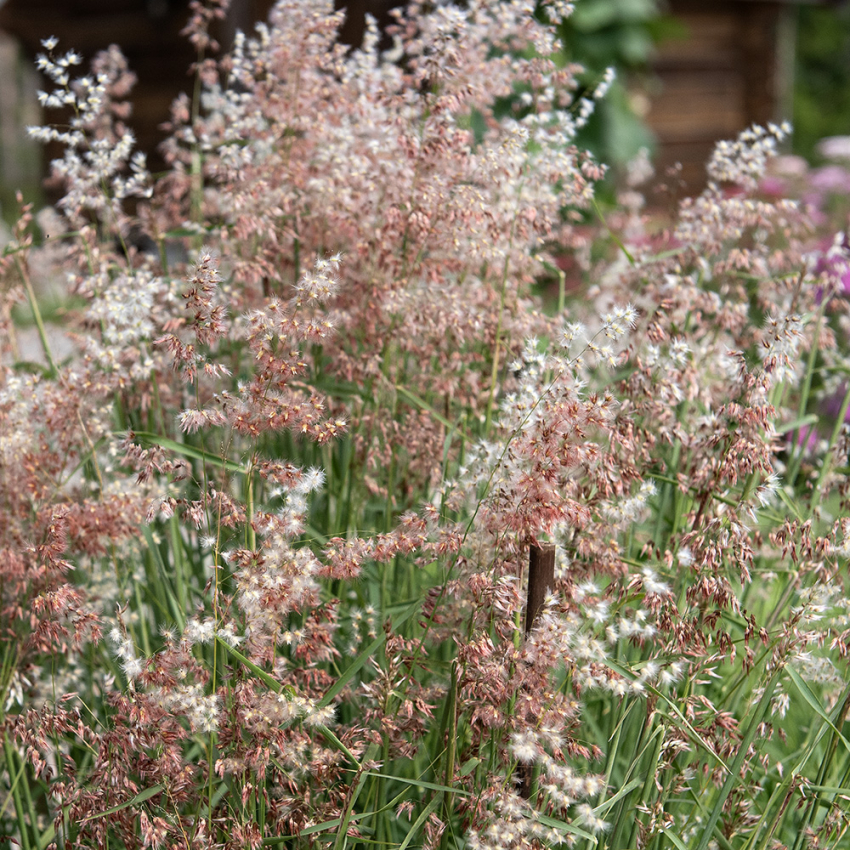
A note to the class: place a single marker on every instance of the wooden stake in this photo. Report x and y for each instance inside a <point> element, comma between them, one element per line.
<point>541,579</point>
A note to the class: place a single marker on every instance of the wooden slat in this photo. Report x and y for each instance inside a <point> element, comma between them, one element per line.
<point>692,105</point>
<point>710,40</point>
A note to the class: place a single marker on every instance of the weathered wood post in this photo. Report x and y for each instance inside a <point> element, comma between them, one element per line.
<point>541,579</point>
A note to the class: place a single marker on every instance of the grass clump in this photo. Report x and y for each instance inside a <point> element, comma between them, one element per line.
<point>266,535</point>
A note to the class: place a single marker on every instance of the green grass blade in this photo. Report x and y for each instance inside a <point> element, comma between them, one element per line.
<point>423,405</point>
<point>261,674</point>
<point>139,798</point>
<point>673,839</point>
<point>190,451</point>
<point>562,826</point>
<point>603,807</point>
<point>367,653</point>
<point>679,715</point>
<point>735,772</point>
<point>47,837</point>
<point>162,584</point>
<point>418,783</point>
<point>420,822</point>
<point>278,688</point>
<point>812,700</point>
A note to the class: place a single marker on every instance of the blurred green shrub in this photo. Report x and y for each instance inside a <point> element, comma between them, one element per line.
<point>822,80</point>
<point>619,34</point>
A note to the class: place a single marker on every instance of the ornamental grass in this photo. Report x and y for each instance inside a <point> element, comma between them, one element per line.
<point>350,523</point>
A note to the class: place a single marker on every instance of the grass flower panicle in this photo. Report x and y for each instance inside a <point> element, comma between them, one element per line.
<point>320,436</point>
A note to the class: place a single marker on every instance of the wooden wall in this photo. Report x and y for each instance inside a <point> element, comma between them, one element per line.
<point>148,32</point>
<point>731,70</point>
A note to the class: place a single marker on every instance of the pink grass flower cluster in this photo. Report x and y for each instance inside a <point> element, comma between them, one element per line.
<point>265,535</point>
<point>309,151</point>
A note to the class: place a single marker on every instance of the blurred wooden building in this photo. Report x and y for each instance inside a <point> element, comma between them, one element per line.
<point>732,66</point>
<point>148,33</point>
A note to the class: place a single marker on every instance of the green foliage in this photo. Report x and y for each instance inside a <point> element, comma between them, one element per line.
<point>619,34</point>
<point>822,83</point>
